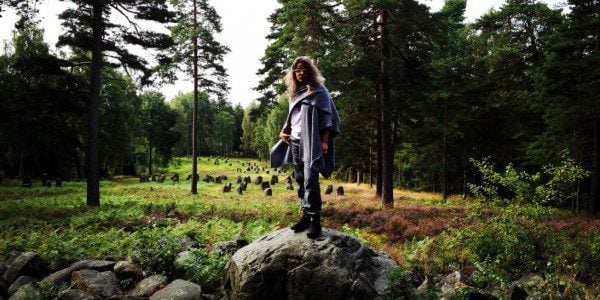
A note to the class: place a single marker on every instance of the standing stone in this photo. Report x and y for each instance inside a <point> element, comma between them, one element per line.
<point>258,180</point>
<point>208,178</point>
<point>26,264</point>
<point>26,182</point>
<point>247,179</point>
<point>179,290</point>
<point>175,177</point>
<point>288,179</point>
<point>218,179</point>
<point>274,179</point>
<point>238,180</point>
<point>268,192</point>
<point>289,186</point>
<point>58,182</point>
<point>239,190</point>
<point>244,186</point>
<point>333,266</point>
<point>227,188</point>
<point>329,189</point>
<point>340,191</point>
<point>264,185</point>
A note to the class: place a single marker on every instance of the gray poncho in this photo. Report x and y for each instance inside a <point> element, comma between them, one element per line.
<point>318,114</point>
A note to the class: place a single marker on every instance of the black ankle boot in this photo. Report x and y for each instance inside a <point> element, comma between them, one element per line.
<point>314,230</point>
<point>301,225</point>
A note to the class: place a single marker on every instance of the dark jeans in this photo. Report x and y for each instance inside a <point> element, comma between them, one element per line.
<point>308,183</point>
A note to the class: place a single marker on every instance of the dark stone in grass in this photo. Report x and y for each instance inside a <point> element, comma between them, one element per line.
<point>223,177</point>
<point>247,179</point>
<point>218,179</point>
<point>102,284</point>
<point>274,179</point>
<point>264,185</point>
<point>46,181</point>
<point>268,192</point>
<point>21,281</point>
<point>58,182</point>
<point>258,180</point>
<point>227,188</point>
<point>239,190</point>
<point>26,182</point>
<point>208,178</point>
<point>329,189</point>
<point>26,264</point>
<point>175,177</point>
<point>244,186</point>
<point>179,289</point>
<point>340,191</point>
<point>288,179</point>
<point>239,180</point>
<point>289,186</point>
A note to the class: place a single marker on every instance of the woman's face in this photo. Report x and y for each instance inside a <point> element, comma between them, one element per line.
<point>301,72</point>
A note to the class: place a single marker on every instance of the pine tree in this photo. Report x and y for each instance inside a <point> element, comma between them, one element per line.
<point>88,28</point>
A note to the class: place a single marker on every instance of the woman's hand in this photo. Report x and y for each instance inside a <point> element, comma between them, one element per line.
<point>285,138</point>
<point>325,146</point>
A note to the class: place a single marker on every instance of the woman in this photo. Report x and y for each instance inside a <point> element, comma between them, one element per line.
<point>308,133</point>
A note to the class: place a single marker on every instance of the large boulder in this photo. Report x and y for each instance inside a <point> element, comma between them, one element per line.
<point>179,290</point>
<point>288,265</point>
<point>74,294</point>
<point>26,264</point>
<point>26,292</point>
<point>21,281</point>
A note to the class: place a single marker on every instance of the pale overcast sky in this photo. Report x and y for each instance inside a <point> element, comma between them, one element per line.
<point>245,27</point>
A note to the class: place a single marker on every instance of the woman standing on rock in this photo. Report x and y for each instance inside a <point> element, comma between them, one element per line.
<point>307,139</point>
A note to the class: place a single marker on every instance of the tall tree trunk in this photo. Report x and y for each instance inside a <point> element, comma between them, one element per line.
<point>595,169</point>
<point>371,167</point>
<point>190,138</point>
<point>149,159</point>
<point>22,164</point>
<point>379,185</point>
<point>195,116</point>
<point>445,154</point>
<point>93,180</point>
<point>386,126</point>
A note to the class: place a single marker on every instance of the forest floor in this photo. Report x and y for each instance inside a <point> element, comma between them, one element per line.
<point>493,245</point>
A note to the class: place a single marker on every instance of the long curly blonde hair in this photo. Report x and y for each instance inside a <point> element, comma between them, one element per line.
<point>314,75</point>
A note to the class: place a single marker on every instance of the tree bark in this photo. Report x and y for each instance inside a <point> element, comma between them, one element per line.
<point>386,126</point>
<point>379,185</point>
<point>595,169</point>
<point>149,159</point>
<point>93,180</point>
<point>195,111</point>
<point>445,154</point>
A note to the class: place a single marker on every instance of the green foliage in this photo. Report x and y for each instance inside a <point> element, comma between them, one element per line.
<point>155,251</point>
<point>555,186</point>
<point>205,269</point>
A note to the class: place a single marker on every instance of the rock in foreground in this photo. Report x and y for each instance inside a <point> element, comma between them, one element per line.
<point>288,265</point>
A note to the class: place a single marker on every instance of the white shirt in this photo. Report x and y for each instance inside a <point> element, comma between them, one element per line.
<point>296,120</point>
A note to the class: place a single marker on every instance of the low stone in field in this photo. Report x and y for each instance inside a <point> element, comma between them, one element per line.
<point>274,179</point>
<point>340,191</point>
<point>258,180</point>
<point>21,281</point>
<point>239,190</point>
<point>289,186</point>
<point>329,189</point>
<point>127,269</point>
<point>268,192</point>
<point>264,185</point>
